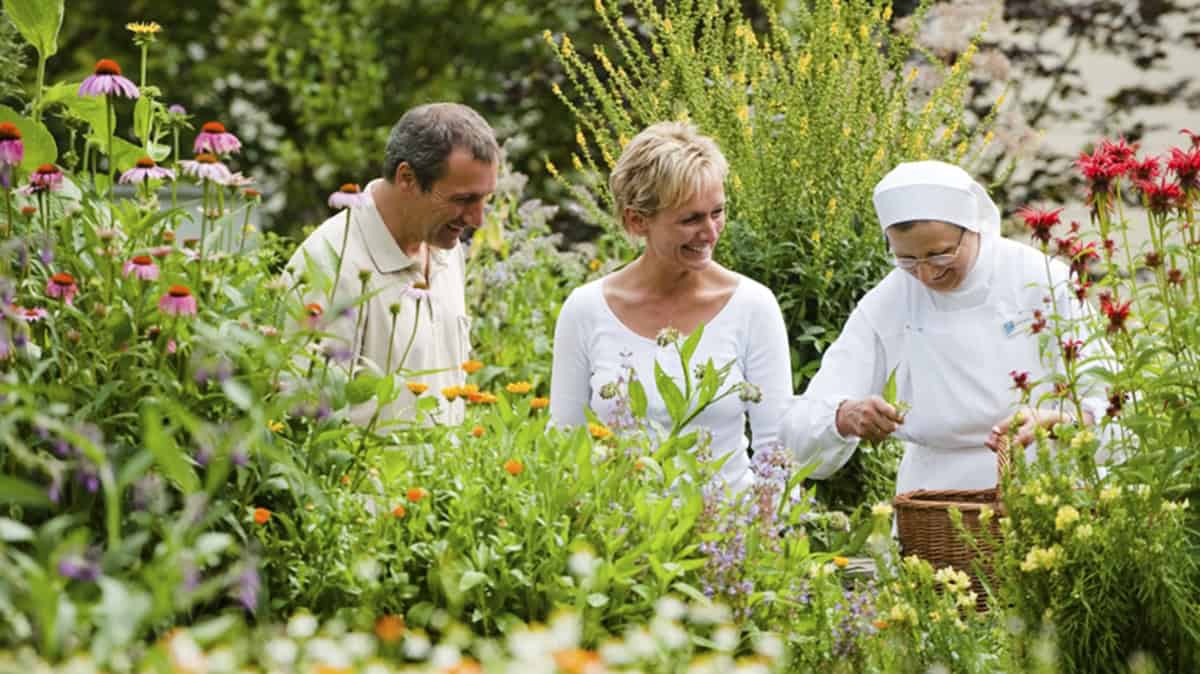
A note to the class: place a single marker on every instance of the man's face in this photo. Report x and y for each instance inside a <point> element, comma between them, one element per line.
<point>456,200</point>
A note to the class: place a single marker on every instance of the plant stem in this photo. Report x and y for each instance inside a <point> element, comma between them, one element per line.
<point>112,164</point>
<point>41,82</point>
<point>245,226</point>
<point>412,336</point>
<point>174,183</point>
<point>337,274</point>
<point>203,233</point>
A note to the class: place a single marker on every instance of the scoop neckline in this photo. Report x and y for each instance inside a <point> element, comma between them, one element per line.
<point>654,340</point>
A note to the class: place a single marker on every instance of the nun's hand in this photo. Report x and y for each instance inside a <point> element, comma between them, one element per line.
<point>871,419</point>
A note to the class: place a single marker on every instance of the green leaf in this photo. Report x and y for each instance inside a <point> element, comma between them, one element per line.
<point>637,399</point>
<point>119,615</point>
<point>88,108</point>
<point>238,393</point>
<point>689,346</point>
<point>889,389</point>
<point>20,492</point>
<point>597,600</point>
<point>40,147</point>
<point>38,21</point>
<point>470,579</point>
<point>361,389</point>
<point>143,113</point>
<point>671,395</point>
<point>167,453</point>
<point>12,531</point>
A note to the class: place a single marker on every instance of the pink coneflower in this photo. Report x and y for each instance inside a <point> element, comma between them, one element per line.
<point>214,138</point>
<point>161,251</point>
<point>206,167</point>
<point>418,291</point>
<point>177,301</point>
<point>142,267</point>
<point>12,148</point>
<point>146,169</point>
<point>46,178</point>
<point>31,315</point>
<point>348,196</point>
<point>239,180</point>
<point>107,80</point>
<point>62,286</point>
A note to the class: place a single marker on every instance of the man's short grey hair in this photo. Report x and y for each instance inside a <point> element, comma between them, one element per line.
<point>426,134</point>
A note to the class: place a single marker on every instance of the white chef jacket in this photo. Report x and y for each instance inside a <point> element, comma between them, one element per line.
<point>953,353</point>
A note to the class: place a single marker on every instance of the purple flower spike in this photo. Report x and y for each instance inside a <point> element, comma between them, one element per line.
<point>107,80</point>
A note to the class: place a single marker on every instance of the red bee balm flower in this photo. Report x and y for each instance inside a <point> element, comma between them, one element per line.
<point>1186,166</point>
<point>178,301</point>
<point>107,80</point>
<point>62,286</point>
<point>12,148</point>
<point>1070,349</point>
<point>1116,313</point>
<point>1040,222</point>
<point>1161,196</point>
<point>214,138</point>
<point>1020,380</point>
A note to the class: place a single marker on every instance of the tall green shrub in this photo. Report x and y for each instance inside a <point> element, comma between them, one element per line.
<point>810,116</point>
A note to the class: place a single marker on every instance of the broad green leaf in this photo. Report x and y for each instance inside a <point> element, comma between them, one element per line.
<point>361,389</point>
<point>470,579</point>
<point>671,395</point>
<point>119,615</point>
<point>38,21</point>
<point>40,147</point>
<point>143,114</point>
<point>889,389</point>
<point>18,491</point>
<point>238,393</point>
<point>689,346</point>
<point>12,531</point>
<point>637,399</point>
<point>167,453</point>
<point>88,108</point>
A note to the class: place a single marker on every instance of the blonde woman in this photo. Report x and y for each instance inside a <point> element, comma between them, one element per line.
<point>668,190</point>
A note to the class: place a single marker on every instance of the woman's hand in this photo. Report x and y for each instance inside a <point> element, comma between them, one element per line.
<point>871,419</point>
<point>1026,422</point>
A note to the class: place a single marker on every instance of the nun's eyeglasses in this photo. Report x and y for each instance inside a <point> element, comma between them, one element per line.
<point>936,261</point>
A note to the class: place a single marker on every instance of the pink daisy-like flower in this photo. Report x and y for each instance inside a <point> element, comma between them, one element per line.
<point>31,315</point>
<point>348,196</point>
<point>107,80</point>
<point>177,301</point>
<point>239,180</point>
<point>418,291</point>
<point>142,266</point>
<point>12,148</point>
<point>62,286</point>
<point>46,178</point>
<point>146,169</point>
<point>206,167</point>
<point>162,251</point>
<point>214,138</point>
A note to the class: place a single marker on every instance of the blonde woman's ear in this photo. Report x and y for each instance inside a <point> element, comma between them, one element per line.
<point>635,222</point>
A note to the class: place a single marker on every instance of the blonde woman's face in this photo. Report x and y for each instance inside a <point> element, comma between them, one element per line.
<point>686,236</point>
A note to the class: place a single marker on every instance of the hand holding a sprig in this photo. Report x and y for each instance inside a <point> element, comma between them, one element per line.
<point>1022,425</point>
<point>873,418</point>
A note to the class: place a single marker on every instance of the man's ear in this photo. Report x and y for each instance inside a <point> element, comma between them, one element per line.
<point>405,178</point>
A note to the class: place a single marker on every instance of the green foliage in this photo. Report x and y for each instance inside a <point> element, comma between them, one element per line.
<point>12,62</point>
<point>38,21</point>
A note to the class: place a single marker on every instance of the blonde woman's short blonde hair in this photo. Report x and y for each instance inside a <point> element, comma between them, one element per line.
<point>664,166</point>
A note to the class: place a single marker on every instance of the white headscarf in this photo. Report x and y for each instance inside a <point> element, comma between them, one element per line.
<point>935,190</point>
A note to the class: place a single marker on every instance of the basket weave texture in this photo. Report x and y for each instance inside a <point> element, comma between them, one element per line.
<point>925,529</point>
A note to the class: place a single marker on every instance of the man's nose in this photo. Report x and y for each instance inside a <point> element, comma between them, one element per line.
<point>473,214</point>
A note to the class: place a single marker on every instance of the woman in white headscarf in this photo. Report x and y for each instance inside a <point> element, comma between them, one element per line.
<point>953,321</point>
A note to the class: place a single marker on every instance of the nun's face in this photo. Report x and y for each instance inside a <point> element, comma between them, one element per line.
<point>938,254</point>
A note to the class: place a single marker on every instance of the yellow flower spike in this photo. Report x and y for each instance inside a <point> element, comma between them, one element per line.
<point>743,113</point>
<point>556,89</point>
<point>988,138</point>
<point>667,26</point>
<point>622,140</point>
<point>815,237</point>
<point>832,205</point>
<point>550,168</point>
<point>594,265</point>
<point>600,7</point>
<point>912,75</point>
<point>519,387</point>
<point>565,48</point>
<point>576,162</point>
<point>887,13</point>
<point>548,37</point>
<point>275,426</point>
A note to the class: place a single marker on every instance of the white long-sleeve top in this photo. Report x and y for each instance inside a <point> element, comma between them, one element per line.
<point>953,353</point>
<point>592,347</point>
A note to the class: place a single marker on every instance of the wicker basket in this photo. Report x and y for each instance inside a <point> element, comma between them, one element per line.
<point>925,529</point>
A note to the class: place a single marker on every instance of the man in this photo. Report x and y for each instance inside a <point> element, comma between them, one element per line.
<point>398,304</point>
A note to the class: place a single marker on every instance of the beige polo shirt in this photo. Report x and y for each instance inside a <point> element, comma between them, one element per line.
<point>364,331</point>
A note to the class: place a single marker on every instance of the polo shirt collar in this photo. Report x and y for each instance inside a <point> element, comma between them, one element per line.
<point>385,253</point>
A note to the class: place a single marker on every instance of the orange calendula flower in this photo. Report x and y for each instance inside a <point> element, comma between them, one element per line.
<point>346,479</point>
<point>576,660</point>
<point>472,366</point>
<point>841,562</point>
<point>451,392</point>
<point>389,628</point>
<point>599,432</point>
<point>880,624</point>
<point>514,467</point>
<point>486,398</point>
<point>399,511</point>
<point>539,403</point>
<point>467,389</point>
<point>261,516</point>
<point>519,387</point>
<point>415,494</point>
<point>417,388</point>
<point>477,431</point>
<point>464,666</point>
